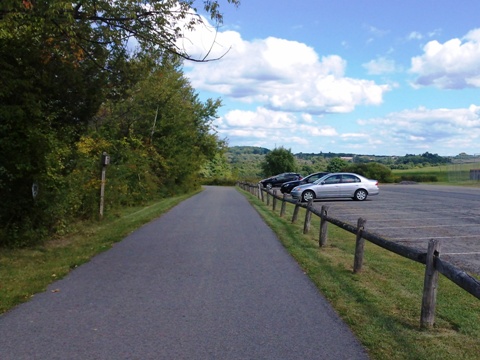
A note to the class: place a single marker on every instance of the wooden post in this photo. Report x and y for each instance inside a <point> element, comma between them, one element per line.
<point>322,239</point>
<point>268,198</point>
<point>261,192</point>
<point>282,210</point>
<point>274,205</point>
<point>430,285</point>
<point>105,160</point>
<point>295,212</point>
<point>308,218</point>
<point>359,246</point>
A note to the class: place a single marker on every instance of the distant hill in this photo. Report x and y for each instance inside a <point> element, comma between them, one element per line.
<point>246,161</point>
<point>237,150</point>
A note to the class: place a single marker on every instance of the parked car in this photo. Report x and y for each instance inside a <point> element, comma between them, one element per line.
<point>279,179</point>
<point>287,187</point>
<point>337,185</point>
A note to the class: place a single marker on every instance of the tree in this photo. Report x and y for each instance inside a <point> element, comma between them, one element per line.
<point>61,62</point>
<point>278,161</point>
<point>336,164</point>
<point>74,26</point>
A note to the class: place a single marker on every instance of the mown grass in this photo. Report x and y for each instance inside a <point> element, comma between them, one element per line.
<point>25,272</point>
<point>382,304</point>
<point>452,174</point>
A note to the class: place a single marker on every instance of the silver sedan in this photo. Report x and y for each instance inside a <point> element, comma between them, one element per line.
<point>337,185</point>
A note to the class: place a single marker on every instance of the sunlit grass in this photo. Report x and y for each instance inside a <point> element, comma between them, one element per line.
<point>451,174</point>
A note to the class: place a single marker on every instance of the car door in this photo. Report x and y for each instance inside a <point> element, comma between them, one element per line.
<point>329,187</point>
<point>279,180</point>
<point>348,185</point>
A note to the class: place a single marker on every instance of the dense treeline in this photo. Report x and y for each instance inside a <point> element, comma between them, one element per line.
<point>247,163</point>
<point>71,89</point>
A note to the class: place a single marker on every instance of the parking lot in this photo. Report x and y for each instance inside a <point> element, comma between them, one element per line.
<point>414,214</point>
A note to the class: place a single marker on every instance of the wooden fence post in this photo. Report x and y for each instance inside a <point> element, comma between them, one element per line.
<point>308,218</point>
<point>268,198</point>
<point>359,246</point>
<point>261,192</point>
<point>282,210</point>
<point>295,212</point>
<point>322,239</point>
<point>430,285</point>
<point>274,205</point>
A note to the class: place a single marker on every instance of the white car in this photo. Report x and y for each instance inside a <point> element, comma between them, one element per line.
<point>337,185</point>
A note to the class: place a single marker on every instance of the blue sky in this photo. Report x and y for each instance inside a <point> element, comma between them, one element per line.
<point>378,77</point>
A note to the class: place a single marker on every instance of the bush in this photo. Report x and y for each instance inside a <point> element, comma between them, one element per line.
<point>372,170</point>
<point>417,178</point>
<point>219,181</point>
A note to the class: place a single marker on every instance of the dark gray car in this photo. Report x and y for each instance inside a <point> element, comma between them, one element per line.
<point>280,179</point>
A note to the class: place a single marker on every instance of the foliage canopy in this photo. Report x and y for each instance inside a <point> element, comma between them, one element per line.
<point>278,161</point>
<point>73,87</point>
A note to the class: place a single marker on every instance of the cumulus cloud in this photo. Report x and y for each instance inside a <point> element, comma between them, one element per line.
<point>266,126</point>
<point>380,66</point>
<point>426,129</point>
<point>454,64</point>
<point>282,74</point>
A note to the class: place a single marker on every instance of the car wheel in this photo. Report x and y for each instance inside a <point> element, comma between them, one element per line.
<point>308,195</point>
<point>360,195</point>
<point>268,186</point>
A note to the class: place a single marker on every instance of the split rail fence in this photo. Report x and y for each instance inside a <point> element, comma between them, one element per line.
<point>434,264</point>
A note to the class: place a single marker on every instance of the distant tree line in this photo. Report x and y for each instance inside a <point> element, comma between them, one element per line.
<point>379,167</point>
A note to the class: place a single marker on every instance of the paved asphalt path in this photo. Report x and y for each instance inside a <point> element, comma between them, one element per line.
<point>207,280</point>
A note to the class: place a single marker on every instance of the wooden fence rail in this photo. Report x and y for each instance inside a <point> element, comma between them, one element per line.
<point>434,265</point>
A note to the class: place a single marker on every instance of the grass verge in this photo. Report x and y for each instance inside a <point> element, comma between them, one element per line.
<point>452,174</point>
<point>25,272</point>
<point>382,304</point>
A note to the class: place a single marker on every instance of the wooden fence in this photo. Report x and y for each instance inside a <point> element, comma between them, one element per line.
<point>434,265</point>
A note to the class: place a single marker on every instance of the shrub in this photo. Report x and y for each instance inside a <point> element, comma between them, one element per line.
<point>372,170</point>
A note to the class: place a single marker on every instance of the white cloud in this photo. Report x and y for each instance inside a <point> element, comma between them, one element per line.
<point>283,75</point>
<point>380,65</point>
<point>425,129</point>
<point>415,35</point>
<point>283,129</point>
<point>376,31</point>
<point>454,64</point>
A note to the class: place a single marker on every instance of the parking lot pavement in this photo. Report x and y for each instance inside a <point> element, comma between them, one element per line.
<point>414,214</point>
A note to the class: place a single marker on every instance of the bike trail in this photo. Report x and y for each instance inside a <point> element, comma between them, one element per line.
<point>207,280</point>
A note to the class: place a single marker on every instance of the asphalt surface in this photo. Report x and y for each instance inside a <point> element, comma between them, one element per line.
<point>413,214</point>
<point>207,280</point>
